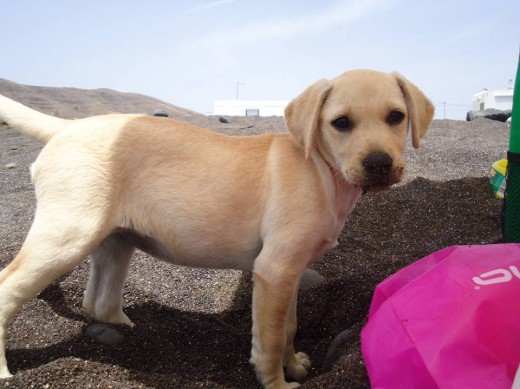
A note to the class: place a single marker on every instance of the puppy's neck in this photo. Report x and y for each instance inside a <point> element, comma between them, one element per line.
<point>339,191</point>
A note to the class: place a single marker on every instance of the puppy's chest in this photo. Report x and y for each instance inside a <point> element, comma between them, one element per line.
<point>345,201</point>
<point>330,240</point>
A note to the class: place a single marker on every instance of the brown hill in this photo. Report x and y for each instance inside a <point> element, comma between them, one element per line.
<point>77,103</point>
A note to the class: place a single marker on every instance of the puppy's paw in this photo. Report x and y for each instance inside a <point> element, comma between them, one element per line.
<point>121,318</point>
<point>114,317</point>
<point>298,366</point>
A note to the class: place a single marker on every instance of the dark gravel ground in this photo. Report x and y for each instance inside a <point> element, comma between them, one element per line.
<point>193,325</point>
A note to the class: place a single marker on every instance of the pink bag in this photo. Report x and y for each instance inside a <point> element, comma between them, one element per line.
<point>450,320</point>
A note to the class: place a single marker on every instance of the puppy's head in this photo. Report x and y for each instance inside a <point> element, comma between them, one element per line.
<point>359,123</point>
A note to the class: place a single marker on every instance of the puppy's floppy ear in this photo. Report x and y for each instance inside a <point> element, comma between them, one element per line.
<point>302,115</point>
<point>420,109</point>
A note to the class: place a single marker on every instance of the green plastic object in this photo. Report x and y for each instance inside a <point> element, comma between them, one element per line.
<point>497,178</point>
<point>511,209</point>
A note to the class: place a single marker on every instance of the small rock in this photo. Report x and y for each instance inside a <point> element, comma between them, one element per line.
<point>310,278</point>
<point>104,334</point>
<point>222,119</point>
<point>10,165</point>
<point>493,114</point>
<point>334,348</point>
<point>161,113</point>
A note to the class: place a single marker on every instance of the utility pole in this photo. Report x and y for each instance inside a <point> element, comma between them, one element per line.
<point>444,103</point>
<point>238,84</point>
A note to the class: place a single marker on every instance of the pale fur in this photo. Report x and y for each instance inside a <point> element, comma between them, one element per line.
<point>271,204</point>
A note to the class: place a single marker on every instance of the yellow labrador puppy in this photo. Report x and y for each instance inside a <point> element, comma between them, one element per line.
<point>108,184</point>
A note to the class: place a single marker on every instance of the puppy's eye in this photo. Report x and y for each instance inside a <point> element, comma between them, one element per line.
<point>343,123</point>
<point>394,118</point>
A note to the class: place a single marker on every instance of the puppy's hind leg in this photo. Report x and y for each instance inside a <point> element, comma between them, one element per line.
<point>54,246</point>
<point>109,264</point>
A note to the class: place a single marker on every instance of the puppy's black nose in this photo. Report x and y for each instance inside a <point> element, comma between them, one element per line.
<point>378,164</point>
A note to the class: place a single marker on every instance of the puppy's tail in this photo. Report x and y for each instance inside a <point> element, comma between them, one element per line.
<point>28,121</point>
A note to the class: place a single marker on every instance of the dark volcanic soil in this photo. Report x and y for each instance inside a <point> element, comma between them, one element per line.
<point>193,325</point>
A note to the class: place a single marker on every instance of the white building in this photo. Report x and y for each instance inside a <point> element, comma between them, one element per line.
<point>501,99</point>
<point>249,107</point>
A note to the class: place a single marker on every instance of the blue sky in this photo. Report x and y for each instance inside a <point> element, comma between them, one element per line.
<point>191,53</point>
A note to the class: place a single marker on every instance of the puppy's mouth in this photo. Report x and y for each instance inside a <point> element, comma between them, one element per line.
<point>378,185</point>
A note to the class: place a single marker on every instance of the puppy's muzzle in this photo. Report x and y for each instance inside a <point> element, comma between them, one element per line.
<point>379,172</point>
<point>378,164</point>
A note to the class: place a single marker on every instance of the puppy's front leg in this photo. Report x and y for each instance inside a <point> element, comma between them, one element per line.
<point>271,305</point>
<point>296,364</point>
